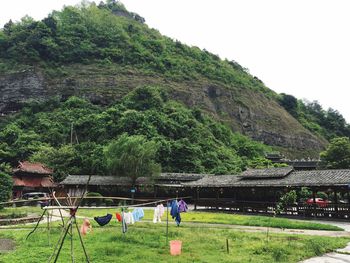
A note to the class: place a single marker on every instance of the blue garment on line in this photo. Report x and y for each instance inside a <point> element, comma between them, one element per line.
<point>175,213</point>
<point>138,214</point>
<point>103,220</point>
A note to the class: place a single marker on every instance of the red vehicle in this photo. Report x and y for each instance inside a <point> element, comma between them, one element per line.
<point>319,201</point>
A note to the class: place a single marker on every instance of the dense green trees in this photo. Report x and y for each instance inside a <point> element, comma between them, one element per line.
<point>337,154</point>
<point>5,183</point>
<point>326,123</point>
<point>132,156</point>
<point>71,135</point>
<point>110,35</point>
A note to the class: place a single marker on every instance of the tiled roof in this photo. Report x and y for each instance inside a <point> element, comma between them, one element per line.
<point>33,182</point>
<point>295,178</point>
<point>179,176</point>
<point>96,180</point>
<point>33,168</point>
<point>267,173</point>
<point>163,178</point>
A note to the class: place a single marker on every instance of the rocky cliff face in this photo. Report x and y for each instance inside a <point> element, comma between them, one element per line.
<point>20,87</point>
<point>246,111</point>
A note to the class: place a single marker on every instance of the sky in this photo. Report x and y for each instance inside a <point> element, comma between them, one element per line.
<point>296,47</point>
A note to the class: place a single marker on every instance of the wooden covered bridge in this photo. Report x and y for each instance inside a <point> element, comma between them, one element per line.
<point>259,191</point>
<point>253,191</point>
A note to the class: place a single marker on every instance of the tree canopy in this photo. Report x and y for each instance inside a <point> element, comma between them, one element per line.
<point>337,154</point>
<point>5,183</point>
<point>326,123</point>
<point>109,34</point>
<point>187,140</point>
<point>132,156</point>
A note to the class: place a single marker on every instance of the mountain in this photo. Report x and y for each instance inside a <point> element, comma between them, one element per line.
<point>102,52</point>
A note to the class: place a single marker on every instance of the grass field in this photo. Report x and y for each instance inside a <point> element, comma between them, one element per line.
<point>146,242</point>
<point>201,217</point>
<point>18,212</point>
<point>225,218</point>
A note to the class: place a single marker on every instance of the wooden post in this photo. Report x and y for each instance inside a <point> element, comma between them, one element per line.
<point>314,201</point>
<point>348,195</point>
<point>196,198</point>
<point>298,198</point>
<point>48,226</point>
<point>227,248</point>
<point>336,203</point>
<point>71,242</point>
<point>155,190</point>
<point>167,222</point>
<point>217,199</point>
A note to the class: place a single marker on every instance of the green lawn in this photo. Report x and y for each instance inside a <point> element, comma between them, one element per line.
<point>199,217</point>
<point>225,218</point>
<point>19,211</point>
<point>146,242</point>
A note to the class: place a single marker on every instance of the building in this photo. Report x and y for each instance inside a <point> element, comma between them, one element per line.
<point>31,177</point>
<point>259,191</point>
<point>166,184</point>
<point>253,191</point>
<point>303,164</point>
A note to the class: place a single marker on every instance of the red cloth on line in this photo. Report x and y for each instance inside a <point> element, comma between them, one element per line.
<point>118,216</point>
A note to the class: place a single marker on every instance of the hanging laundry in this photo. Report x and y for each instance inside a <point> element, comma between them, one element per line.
<point>174,212</point>
<point>128,218</point>
<point>138,214</point>
<point>156,215</point>
<point>118,216</point>
<point>182,206</point>
<point>161,209</point>
<point>85,227</point>
<point>124,226</point>
<point>103,220</point>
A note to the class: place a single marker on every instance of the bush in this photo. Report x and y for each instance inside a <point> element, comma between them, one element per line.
<point>109,202</point>
<point>97,201</point>
<point>287,199</point>
<point>5,187</point>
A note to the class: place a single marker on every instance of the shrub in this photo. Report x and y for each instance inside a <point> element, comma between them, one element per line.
<point>108,202</point>
<point>287,199</point>
<point>97,201</point>
<point>5,187</point>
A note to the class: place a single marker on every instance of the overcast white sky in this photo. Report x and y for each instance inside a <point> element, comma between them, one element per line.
<point>294,46</point>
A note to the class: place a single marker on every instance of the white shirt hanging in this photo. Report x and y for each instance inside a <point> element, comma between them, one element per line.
<point>158,213</point>
<point>128,218</point>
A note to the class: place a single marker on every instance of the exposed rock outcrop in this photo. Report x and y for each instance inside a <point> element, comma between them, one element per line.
<point>246,111</point>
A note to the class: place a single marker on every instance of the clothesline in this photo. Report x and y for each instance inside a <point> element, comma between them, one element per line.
<point>113,207</point>
<point>76,197</point>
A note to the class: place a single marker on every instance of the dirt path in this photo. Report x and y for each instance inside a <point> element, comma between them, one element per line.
<point>274,230</point>
<point>339,256</point>
<point>6,244</point>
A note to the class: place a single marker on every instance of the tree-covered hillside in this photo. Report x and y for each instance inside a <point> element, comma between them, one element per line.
<point>71,135</point>
<point>102,52</point>
<point>107,33</point>
<point>326,123</point>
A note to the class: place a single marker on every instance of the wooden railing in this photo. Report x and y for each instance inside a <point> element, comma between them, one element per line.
<point>330,210</point>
